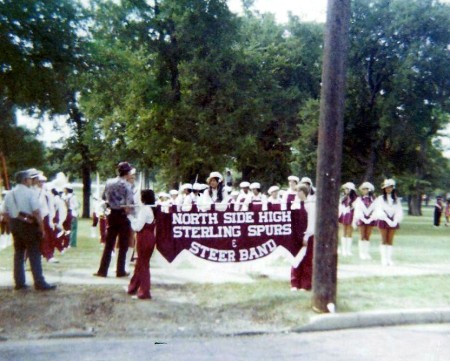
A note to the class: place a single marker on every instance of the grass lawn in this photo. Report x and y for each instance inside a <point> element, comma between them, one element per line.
<point>416,243</point>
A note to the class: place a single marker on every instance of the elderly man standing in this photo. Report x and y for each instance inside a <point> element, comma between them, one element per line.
<point>22,208</point>
<point>118,195</point>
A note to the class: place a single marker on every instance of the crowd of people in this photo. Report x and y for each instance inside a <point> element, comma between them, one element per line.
<point>126,215</point>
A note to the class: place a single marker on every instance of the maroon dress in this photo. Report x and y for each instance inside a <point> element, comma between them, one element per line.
<point>145,244</point>
<point>347,218</point>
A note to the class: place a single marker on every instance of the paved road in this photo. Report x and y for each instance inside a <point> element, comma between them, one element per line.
<point>412,343</point>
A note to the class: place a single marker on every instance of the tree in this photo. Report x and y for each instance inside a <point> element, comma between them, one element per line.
<point>40,57</point>
<point>398,91</point>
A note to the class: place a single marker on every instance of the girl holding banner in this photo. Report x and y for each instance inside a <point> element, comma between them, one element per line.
<point>301,276</point>
<point>144,225</point>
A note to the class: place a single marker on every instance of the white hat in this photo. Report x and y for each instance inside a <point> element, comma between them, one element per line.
<point>306,180</point>
<point>273,189</point>
<point>293,178</point>
<point>367,185</point>
<point>255,185</point>
<point>68,186</point>
<point>204,186</point>
<point>388,183</point>
<point>33,173</point>
<point>197,187</point>
<point>42,178</point>
<point>349,185</point>
<point>234,193</point>
<point>214,175</point>
<point>244,185</point>
<point>186,186</point>
<point>163,194</point>
<point>173,192</point>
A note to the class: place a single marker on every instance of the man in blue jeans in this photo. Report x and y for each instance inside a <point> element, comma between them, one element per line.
<point>22,210</point>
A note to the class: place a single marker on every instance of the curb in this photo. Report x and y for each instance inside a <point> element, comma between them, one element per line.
<point>331,322</point>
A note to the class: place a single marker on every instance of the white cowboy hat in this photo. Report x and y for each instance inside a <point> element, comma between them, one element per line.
<point>214,175</point>
<point>388,183</point>
<point>367,185</point>
<point>294,178</point>
<point>349,185</point>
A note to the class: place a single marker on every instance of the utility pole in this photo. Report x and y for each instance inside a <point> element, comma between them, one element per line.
<point>328,176</point>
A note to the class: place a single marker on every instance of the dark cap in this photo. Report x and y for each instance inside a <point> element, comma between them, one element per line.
<point>124,167</point>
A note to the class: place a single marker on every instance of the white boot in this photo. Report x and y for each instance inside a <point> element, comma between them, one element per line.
<point>361,245</point>
<point>344,246</point>
<point>349,246</point>
<point>367,250</point>
<point>383,253</point>
<point>389,256</point>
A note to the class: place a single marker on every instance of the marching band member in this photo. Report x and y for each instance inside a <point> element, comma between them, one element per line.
<point>273,195</point>
<point>72,210</point>
<point>185,191</point>
<point>173,193</point>
<point>258,199</point>
<point>244,196</point>
<point>214,194</point>
<point>58,220</point>
<point>388,212</point>
<point>47,209</point>
<point>346,217</point>
<point>363,218</point>
<point>312,191</point>
<point>301,276</point>
<point>143,223</point>
<point>290,194</point>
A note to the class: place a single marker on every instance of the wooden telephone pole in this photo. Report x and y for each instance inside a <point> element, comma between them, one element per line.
<point>331,126</point>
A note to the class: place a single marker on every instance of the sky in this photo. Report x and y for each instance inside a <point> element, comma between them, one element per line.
<point>306,10</point>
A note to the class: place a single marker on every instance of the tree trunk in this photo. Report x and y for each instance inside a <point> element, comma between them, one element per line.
<point>76,117</point>
<point>331,127</point>
<point>415,205</point>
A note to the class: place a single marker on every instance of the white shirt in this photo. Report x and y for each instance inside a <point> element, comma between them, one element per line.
<point>61,208</point>
<point>310,208</point>
<point>144,216</point>
<point>205,201</point>
<point>21,199</point>
<point>72,204</point>
<point>384,210</point>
